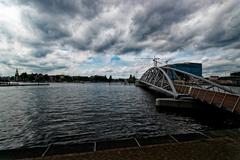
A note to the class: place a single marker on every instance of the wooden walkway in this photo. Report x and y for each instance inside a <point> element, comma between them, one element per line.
<point>230,102</point>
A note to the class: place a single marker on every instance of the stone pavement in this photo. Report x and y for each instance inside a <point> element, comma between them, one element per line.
<point>224,146</point>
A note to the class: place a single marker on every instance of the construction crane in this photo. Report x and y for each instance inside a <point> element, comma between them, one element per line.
<point>157,61</point>
<point>166,61</point>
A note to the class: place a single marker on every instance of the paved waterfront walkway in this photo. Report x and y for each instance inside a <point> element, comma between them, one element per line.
<point>223,147</point>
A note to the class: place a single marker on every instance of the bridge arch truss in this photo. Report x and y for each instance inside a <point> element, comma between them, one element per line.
<point>177,83</point>
<point>158,79</point>
<point>168,80</point>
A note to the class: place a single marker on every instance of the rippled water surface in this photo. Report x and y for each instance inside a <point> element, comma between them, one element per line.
<point>65,113</point>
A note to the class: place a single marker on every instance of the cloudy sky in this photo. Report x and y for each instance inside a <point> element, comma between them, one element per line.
<point>116,37</point>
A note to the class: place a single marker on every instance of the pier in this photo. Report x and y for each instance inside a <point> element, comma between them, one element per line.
<point>177,103</point>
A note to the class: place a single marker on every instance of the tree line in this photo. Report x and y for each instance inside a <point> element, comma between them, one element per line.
<point>39,77</point>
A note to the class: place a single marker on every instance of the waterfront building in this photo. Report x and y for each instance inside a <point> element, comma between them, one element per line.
<point>235,74</point>
<point>233,79</point>
<point>213,78</point>
<point>193,68</point>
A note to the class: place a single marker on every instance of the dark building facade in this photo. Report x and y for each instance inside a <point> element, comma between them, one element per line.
<point>193,68</point>
<point>233,79</point>
<point>235,74</point>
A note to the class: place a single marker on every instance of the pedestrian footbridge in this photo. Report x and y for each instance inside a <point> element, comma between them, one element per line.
<point>177,83</point>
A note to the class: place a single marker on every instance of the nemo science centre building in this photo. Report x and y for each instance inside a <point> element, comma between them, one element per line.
<point>193,68</point>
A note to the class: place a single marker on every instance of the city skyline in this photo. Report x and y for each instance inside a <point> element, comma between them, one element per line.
<point>114,37</point>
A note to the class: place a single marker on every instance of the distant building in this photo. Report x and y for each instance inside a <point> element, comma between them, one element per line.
<point>131,79</point>
<point>213,78</point>
<point>16,76</point>
<point>98,78</point>
<point>193,68</point>
<point>233,79</point>
<point>235,74</point>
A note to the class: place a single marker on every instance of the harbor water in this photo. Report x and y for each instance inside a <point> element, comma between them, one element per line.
<point>70,113</point>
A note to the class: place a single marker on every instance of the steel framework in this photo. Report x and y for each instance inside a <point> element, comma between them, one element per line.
<point>177,83</point>
<point>157,78</point>
<point>166,80</point>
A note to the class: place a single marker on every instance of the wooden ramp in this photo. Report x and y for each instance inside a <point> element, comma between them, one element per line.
<point>228,101</point>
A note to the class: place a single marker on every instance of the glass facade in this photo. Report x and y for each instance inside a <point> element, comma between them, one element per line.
<point>193,68</point>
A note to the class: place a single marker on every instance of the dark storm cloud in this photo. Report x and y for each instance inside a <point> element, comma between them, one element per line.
<point>50,31</point>
<point>154,22</point>
<point>45,29</point>
<point>225,29</point>
<point>42,67</point>
<point>86,8</point>
<point>108,43</point>
<point>135,49</point>
<point>5,62</point>
<point>220,68</point>
<point>21,62</point>
<point>159,16</point>
<point>41,53</point>
<point>53,19</point>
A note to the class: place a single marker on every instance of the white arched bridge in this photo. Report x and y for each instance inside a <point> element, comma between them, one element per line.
<point>177,83</point>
